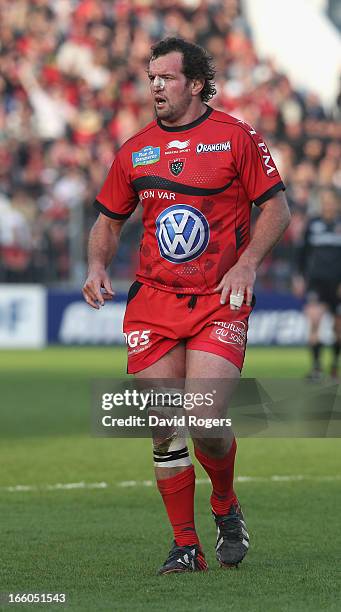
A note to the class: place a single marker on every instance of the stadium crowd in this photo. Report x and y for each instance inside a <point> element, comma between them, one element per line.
<point>74,88</point>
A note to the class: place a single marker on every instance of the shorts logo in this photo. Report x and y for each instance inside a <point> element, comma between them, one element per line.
<point>137,340</point>
<point>176,166</point>
<point>182,233</point>
<point>233,333</point>
<point>214,147</point>
<point>147,155</point>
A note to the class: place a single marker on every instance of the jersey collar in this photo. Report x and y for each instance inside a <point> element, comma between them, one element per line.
<point>188,126</point>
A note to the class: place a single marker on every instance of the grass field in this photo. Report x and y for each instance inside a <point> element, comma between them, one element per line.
<point>103,545</point>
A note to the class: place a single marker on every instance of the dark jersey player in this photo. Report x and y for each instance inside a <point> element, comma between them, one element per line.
<point>195,172</point>
<point>319,266</point>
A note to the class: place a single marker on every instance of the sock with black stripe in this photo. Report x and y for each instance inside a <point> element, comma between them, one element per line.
<point>178,496</point>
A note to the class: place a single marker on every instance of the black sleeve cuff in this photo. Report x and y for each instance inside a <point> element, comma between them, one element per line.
<point>270,193</point>
<point>108,213</point>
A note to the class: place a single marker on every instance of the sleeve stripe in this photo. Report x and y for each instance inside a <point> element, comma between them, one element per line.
<point>109,213</point>
<point>267,195</point>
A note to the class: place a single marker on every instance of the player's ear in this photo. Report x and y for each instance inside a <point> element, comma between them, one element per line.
<point>197,85</point>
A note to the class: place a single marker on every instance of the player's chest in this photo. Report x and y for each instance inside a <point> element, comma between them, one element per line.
<point>191,163</point>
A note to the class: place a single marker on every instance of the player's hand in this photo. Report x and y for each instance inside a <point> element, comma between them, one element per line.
<point>97,288</point>
<point>237,283</point>
<point>298,286</point>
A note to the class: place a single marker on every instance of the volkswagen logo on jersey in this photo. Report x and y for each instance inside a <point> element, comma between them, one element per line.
<point>182,233</point>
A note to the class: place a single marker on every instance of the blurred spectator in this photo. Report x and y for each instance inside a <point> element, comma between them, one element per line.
<point>74,89</point>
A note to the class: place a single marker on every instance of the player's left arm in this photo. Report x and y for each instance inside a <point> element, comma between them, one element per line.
<point>270,227</point>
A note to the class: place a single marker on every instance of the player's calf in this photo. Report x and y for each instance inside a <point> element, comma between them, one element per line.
<point>171,456</point>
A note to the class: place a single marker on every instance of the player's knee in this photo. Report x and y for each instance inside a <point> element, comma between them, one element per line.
<point>213,447</point>
<point>314,313</point>
<point>172,453</point>
<point>169,446</point>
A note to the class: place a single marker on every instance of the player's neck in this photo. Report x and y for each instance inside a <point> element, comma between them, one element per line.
<point>192,114</point>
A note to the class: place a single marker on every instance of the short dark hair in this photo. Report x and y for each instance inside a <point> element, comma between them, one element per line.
<point>197,63</point>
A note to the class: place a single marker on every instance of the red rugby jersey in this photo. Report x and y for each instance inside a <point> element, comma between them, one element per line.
<point>196,184</point>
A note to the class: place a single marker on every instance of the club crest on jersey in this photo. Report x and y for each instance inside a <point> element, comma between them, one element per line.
<point>147,155</point>
<point>176,166</point>
<point>182,232</point>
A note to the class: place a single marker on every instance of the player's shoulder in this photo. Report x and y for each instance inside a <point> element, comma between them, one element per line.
<point>237,125</point>
<point>237,130</point>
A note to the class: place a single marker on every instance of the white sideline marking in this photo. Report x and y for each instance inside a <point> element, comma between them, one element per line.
<point>239,479</point>
<point>55,487</point>
<point>68,486</point>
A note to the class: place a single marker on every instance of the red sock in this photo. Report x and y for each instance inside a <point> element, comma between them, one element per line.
<point>178,496</point>
<point>220,472</point>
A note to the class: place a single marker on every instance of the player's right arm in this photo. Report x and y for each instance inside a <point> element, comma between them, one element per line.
<point>103,244</point>
<point>115,203</point>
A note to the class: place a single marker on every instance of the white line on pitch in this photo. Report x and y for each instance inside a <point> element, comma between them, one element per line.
<point>59,486</point>
<point>239,479</point>
<point>68,486</point>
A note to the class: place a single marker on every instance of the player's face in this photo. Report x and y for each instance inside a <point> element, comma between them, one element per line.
<point>170,89</point>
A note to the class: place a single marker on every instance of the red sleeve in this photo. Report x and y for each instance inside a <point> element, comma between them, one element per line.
<point>256,168</point>
<point>117,198</point>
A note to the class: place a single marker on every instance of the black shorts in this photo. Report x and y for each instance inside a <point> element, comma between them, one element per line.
<point>326,291</point>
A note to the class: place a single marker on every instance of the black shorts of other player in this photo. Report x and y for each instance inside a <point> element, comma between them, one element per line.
<point>325,291</point>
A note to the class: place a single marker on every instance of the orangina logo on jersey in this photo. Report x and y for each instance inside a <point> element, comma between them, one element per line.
<point>182,232</point>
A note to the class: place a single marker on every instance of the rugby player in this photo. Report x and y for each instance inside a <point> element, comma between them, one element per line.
<point>319,279</point>
<point>196,172</point>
